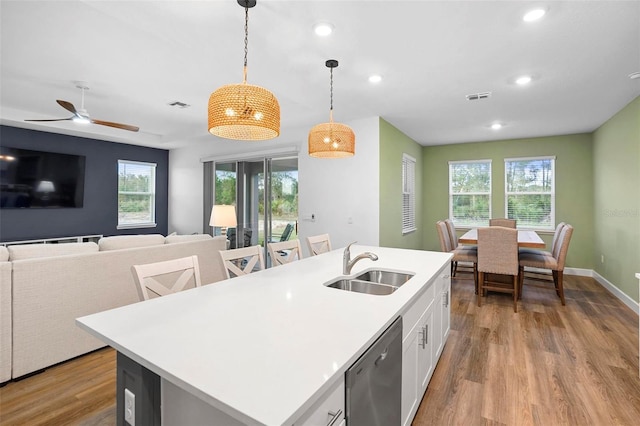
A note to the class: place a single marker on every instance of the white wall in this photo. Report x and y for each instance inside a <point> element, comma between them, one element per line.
<point>336,190</point>
<point>333,190</point>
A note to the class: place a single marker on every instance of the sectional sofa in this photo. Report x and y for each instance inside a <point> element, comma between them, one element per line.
<point>45,287</point>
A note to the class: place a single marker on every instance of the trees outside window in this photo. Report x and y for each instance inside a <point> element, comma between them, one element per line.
<point>470,192</point>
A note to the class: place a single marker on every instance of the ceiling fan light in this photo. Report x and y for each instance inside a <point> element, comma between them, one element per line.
<point>244,112</point>
<point>81,120</point>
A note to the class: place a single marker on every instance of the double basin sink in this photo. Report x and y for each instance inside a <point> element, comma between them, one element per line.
<point>376,282</point>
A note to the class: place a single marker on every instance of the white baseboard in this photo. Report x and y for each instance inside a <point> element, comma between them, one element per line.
<point>617,292</point>
<point>635,307</point>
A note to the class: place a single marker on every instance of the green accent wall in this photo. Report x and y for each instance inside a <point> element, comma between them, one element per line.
<point>616,165</point>
<point>574,185</point>
<point>394,143</point>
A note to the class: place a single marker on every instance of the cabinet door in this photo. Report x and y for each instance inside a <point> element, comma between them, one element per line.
<point>446,311</point>
<point>425,351</point>
<point>410,384</point>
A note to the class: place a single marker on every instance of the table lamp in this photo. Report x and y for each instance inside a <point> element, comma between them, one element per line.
<point>223,216</point>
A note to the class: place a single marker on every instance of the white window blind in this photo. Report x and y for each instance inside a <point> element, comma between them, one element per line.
<point>530,191</point>
<point>408,194</point>
<point>136,194</point>
<point>470,192</point>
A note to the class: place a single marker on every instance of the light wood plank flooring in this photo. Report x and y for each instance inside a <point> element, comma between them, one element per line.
<point>545,365</point>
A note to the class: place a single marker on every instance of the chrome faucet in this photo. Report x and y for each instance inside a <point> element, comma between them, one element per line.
<point>347,263</point>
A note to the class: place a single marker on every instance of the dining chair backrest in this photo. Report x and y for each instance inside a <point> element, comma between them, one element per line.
<point>556,237</point>
<point>284,252</point>
<point>242,261</point>
<point>443,235</point>
<point>166,277</point>
<point>506,223</point>
<point>498,250</point>
<point>562,246</point>
<point>451,228</point>
<point>319,244</point>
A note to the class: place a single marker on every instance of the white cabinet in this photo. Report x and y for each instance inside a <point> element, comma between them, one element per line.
<point>442,314</point>
<point>426,326</point>
<point>328,410</point>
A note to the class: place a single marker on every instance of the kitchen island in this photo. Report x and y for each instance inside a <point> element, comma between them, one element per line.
<point>270,347</point>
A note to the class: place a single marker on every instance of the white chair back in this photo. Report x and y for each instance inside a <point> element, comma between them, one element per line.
<point>284,252</point>
<point>319,244</point>
<point>148,277</point>
<point>242,261</point>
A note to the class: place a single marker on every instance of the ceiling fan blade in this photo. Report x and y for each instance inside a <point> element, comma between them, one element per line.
<point>116,125</point>
<point>54,119</point>
<point>68,106</point>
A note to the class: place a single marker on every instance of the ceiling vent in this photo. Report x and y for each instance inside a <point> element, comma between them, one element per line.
<point>478,96</point>
<point>179,104</point>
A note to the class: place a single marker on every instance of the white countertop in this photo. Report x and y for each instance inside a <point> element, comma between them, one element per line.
<point>265,346</point>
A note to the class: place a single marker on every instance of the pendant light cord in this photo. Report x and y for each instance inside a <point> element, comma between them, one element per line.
<point>331,94</point>
<point>246,40</point>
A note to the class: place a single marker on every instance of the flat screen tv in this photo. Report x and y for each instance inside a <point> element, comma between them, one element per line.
<point>38,179</point>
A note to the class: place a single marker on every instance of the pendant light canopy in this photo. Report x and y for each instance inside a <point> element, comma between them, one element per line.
<point>331,140</point>
<point>243,111</point>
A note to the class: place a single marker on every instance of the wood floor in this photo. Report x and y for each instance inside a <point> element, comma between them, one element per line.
<point>545,365</point>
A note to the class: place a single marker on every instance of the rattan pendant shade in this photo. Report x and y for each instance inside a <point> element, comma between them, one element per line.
<point>243,111</point>
<point>331,140</point>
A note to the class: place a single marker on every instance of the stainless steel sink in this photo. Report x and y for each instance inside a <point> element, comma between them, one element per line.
<point>360,286</point>
<point>395,279</point>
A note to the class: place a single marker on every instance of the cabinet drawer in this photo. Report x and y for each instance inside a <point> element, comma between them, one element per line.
<point>413,314</point>
<point>328,410</point>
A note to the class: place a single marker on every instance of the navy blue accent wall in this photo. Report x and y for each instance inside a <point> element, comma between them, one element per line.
<point>99,215</point>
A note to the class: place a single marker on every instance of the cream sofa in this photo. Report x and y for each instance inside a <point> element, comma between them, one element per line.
<point>45,287</point>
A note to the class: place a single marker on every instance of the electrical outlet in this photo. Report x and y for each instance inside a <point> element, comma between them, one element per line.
<point>129,407</point>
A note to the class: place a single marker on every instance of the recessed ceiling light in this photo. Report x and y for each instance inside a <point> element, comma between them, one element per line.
<point>496,126</point>
<point>323,29</point>
<point>533,15</point>
<point>522,80</point>
<point>375,78</point>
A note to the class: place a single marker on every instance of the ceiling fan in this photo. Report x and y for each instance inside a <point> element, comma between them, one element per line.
<point>82,116</point>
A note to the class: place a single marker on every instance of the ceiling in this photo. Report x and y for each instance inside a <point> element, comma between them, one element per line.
<point>139,56</point>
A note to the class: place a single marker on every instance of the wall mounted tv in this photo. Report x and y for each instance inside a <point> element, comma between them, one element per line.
<point>37,179</point>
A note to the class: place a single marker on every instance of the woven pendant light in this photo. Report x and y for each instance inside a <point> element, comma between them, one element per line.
<point>243,111</point>
<point>331,140</point>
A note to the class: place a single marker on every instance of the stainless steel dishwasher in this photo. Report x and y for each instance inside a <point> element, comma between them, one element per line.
<point>374,382</point>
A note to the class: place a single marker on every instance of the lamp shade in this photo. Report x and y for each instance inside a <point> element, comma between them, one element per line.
<point>45,186</point>
<point>223,216</point>
<point>244,112</point>
<point>331,140</point>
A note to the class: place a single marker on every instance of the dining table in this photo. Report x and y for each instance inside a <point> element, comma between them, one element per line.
<point>526,238</point>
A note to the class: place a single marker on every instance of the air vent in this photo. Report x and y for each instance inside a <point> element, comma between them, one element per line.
<point>477,96</point>
<point>179,104</point>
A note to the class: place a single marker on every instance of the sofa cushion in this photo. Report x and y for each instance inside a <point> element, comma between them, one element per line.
<point>119,242</point>
<point>4,254</point>
<point>184,238</point>
<point>29,251</point>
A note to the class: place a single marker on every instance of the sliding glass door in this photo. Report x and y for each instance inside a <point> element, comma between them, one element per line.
<point>265,194</point>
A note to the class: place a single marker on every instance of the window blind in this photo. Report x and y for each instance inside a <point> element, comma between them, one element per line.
<point>530,191</point>
<point>408,194</point>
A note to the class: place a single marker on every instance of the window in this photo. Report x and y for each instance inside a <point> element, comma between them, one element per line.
<point>470,192</point>
<point>530,191</point>
<point>136,194</point>
<point>408,194</point>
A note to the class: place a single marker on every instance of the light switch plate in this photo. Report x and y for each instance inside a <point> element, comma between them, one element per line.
<point>129,407</point>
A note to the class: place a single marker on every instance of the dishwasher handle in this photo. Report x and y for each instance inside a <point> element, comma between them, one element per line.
<point>382,356</point>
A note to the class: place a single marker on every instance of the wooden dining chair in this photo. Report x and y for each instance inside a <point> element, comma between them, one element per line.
<point>507,223</point>
<point>162,278</point>
<point>466,254</point>
<point>284,252</point>
<point>242,261</point>
<point>554,262</point>
<point>319,244</point>
<point>498,255</point>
